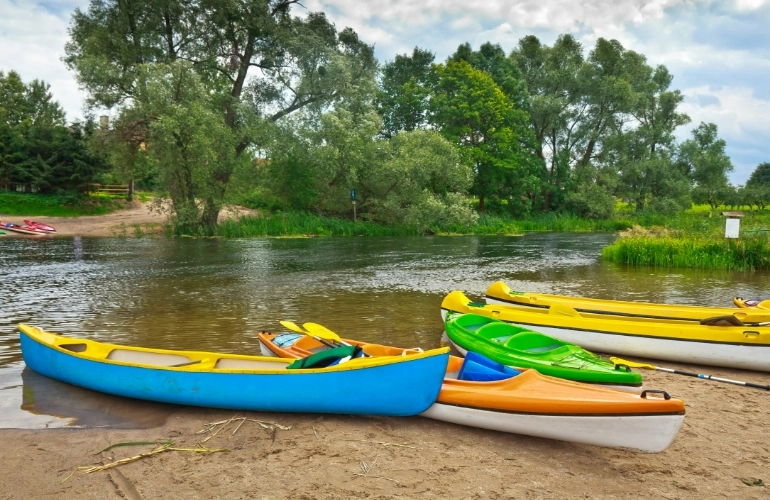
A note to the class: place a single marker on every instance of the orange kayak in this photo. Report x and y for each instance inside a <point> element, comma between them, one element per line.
<point>530,403</point>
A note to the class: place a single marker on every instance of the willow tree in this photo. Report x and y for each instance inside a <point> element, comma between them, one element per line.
<point>255,63</point>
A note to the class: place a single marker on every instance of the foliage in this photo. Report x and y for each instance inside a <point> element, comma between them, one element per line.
<point>403,92</point>
<point>705,159</point>
<point>37,149</point>
<point>49,205</point>
<point>747,254</point>
<point>255,62</point>
<point>415,178</point>
<point>303,223</point>
<point>471,111</point>
<point>760,176</point>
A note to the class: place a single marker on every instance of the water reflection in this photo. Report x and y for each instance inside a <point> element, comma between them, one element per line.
<point>216,294</point>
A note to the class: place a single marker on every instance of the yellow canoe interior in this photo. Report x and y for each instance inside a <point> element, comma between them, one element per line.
<point>192,360</point>
<point>632,310</point>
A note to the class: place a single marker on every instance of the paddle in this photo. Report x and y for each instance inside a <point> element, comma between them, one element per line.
<point>619,361</point>
<point>322,332</point>
<point>293,327</point>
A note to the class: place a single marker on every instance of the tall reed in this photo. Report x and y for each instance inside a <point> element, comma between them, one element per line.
<point>298,223</point>
<point>745,254</point>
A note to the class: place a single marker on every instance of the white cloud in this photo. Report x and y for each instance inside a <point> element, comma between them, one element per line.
<point>717,50</point>
<point>742,121</point>
<point>32,40</point>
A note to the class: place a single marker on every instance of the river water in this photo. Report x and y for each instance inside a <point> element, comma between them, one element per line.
<point>216,294</point>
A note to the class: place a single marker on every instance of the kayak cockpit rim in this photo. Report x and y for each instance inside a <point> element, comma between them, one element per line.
<point>164,359</point>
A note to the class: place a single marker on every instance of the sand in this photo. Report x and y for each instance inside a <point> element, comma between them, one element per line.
<point>137,217</point>
<point>723,441</point>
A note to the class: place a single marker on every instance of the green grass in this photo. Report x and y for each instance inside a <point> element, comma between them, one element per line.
<point>750,252</point>
<point>299,223</point>
<point>46,205</point>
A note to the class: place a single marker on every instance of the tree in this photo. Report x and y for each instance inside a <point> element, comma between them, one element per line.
<point>703,157</point>
<point>491,59</point>
<point>415,177</point>
<point>403,92</point>
<point>423,182</point>
<point>256,62</point>
<point>471,111</point>
<point>37,149</point>
<point>760,176</point>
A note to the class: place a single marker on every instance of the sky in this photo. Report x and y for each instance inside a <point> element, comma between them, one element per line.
<point>718,51</point>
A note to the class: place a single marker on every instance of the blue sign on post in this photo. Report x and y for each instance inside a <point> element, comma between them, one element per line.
<point>352,195</point>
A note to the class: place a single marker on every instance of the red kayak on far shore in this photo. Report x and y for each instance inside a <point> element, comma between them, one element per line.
<point>39,225</point>
<point>16,228</point>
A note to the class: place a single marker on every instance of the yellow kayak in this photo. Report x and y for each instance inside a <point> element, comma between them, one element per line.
<point>721,343</point>
<point>751,304</point>
<point>499,293</point>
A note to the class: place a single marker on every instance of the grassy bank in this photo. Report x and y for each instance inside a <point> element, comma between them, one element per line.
<point>706,250</point>
<point>299,223</point>
<point>46,205</point>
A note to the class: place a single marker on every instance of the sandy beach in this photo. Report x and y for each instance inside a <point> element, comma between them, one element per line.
<point>137,216</point>
<point>722,445</point>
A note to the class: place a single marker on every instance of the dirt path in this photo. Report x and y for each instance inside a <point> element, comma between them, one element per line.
<point>137,217</point>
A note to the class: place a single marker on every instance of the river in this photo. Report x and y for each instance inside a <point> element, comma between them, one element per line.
<point>216,294</point>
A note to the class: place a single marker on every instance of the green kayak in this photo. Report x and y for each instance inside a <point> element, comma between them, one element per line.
<point>515,346</point>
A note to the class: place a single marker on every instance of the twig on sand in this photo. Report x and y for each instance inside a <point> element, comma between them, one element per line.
<point>402,445</point>
<point>367,468</point>
<point>224,423</point>
<point>314,432</point>
<point>86,469</point>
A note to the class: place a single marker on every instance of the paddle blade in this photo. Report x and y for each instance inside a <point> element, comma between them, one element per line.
<point>563,310</point>
<point>290,325</point>
<point>632,364</point>
<point>321,332</point>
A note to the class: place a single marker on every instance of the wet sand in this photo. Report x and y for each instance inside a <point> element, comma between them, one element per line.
<point>724,439</point>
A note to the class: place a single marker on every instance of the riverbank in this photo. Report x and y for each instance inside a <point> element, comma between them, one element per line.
<point>137,219</point>
<point>721,446</point>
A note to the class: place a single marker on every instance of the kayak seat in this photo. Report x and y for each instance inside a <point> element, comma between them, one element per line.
<point>478,368</point>
<point>286,339</point>
<point>501,340</point>
<point>497,330</point>
<point>544,348</point>
<point>326,358</point>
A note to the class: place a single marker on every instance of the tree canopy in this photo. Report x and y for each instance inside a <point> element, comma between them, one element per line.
<point>206,91</point>
<point>257,64</point>
<point>37,150</point>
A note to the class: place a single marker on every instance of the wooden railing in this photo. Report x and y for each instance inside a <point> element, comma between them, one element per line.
<point>109,188</point>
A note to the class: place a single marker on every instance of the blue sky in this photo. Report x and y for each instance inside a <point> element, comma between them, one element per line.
<point>718,51</point>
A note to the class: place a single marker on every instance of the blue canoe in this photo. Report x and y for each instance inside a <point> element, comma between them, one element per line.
<point>390,386</point>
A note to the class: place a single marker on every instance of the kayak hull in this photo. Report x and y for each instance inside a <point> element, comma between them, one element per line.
<point>649,433</point>
<point>39,225</point>
<point>534,404</point>
<point>744,347</point>
<point>22,229</point>
<point>385,386</point>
